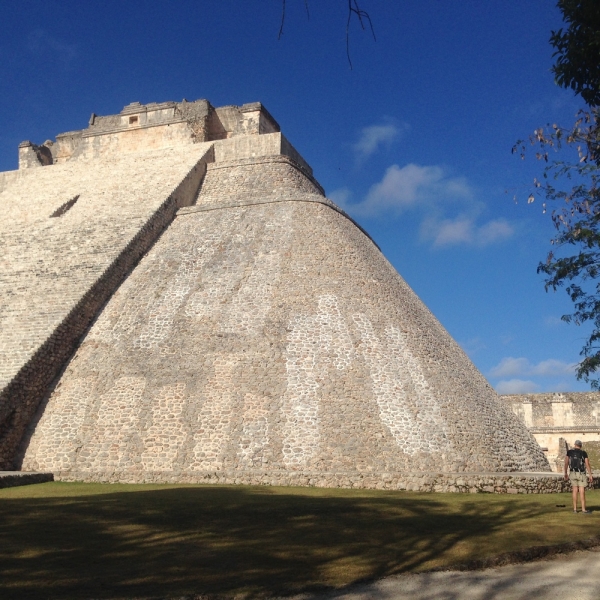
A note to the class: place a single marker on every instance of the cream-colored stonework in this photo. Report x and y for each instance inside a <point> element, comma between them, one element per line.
<point>48,263</point>
<point>556,419</point>
<point>257,334</point>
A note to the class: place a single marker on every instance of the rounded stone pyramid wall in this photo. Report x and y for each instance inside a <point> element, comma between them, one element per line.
<point>266,339</point>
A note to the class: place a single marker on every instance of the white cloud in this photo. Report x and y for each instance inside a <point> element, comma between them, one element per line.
<point>517,386</point>
<point>373,137</point>
<point>340,197</point>
<point>448,231</point>
<point>432,191</point>
<point>510,366</point>
<point>553,368</point>
<point>560,386</point>
<point>553,321</point>
<point>514,367</point>
<point>493,231</point>
<point>40,43</point>
<point>464,230</point>
<point>411,186</point>
<point>473,346</point>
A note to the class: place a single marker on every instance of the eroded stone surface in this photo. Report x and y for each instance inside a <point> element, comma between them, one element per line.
<point>263,337</point>
<point>276,338</point>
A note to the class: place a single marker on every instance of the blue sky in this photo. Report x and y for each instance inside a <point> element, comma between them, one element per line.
<point>414,141</point>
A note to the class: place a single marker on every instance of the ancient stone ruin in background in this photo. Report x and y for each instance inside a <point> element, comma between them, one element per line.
<point>558,419</point>
<point>181,303</point>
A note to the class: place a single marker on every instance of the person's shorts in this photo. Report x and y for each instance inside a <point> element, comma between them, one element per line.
<point>578,479</point>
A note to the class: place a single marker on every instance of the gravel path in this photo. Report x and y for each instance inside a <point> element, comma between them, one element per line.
<point>575,575</point>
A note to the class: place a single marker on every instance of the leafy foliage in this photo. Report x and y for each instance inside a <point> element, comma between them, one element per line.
<point>577,221</point>
<point>578,49</point>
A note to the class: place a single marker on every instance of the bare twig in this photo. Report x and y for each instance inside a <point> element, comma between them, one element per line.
<point>353,9</point>
<point>283,16</point>
<point>362,15</point>
<point>282,19</point>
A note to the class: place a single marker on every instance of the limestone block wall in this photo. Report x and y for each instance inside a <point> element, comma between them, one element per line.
<point>142,127</point>
<point>137,128</point>
<point>258,342</point>
<point>249,119</point>
<point>7,178</point>
<point>174,310</point>
<point>136,139</point>
<point>69,235</point>
<point>251,179</point>
<point>272,144</point>
<point>81,211</point>
<point>32,155</point>
<point>136,115</point>
<point>554,418</point>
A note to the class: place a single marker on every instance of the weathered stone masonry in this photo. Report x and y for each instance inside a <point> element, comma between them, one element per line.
<point>262,337</point>
<point>47,338</point>
<point>556,419</point>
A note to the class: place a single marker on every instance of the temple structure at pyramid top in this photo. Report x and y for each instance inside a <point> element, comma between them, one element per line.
<point>142,127</point>
<point>182,303</point>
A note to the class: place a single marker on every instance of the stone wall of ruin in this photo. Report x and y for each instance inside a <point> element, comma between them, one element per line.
<point>556,418</point>
<point>266,338</point>
<point>251,179</point>
<point>167,125</point>
<point>69,235</point>
<point>200,312</point>
<point>465,483</point>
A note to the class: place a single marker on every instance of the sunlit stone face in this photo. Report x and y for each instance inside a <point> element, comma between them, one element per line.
<point>236,325</point>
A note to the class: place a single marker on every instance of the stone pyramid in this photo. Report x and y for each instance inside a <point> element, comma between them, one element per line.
<point>201,312</point>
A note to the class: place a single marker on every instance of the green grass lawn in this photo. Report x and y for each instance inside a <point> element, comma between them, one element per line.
<point>68,540</point>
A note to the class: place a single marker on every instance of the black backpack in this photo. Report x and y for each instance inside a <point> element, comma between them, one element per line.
<point>576,461</point>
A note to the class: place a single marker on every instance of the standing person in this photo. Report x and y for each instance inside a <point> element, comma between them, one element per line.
<point>578,463</point>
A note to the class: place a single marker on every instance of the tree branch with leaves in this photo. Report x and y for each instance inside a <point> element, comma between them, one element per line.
<point>571,178</point>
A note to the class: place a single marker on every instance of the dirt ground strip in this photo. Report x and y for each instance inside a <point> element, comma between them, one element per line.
<point>575,575</point>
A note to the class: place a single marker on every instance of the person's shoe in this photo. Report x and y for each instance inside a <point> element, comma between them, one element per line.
<point>586,512</point>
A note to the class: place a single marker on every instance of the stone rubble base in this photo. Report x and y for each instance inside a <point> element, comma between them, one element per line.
<point>493,483</point>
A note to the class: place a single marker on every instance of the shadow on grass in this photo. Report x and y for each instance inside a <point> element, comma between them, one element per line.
<point>230,540</point>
